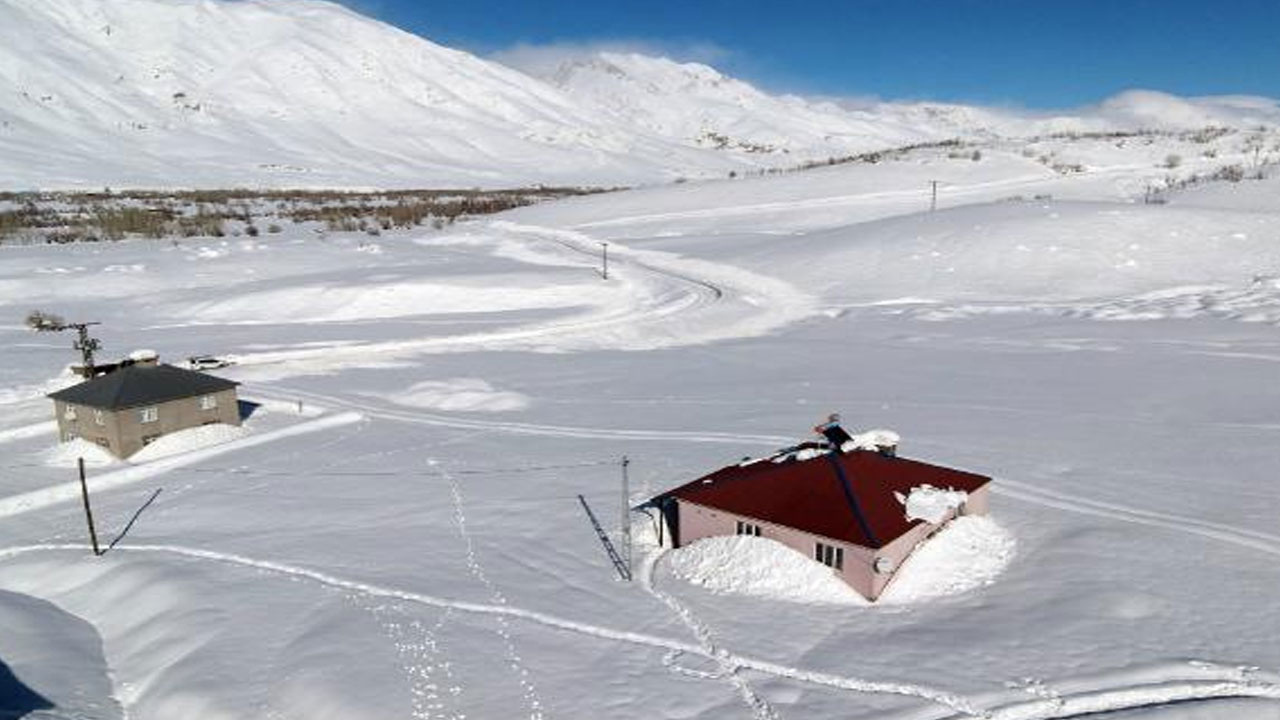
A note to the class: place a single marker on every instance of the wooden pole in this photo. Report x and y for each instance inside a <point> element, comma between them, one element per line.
<point>88,511</point>
<point>933,199</point>
<point>626,516</point>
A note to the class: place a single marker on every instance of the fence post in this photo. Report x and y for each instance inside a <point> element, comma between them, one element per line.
<point>626,515</point>
<point>88,511</point>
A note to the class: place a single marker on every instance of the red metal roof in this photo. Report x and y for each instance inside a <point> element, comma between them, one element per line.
<point>808,495</point>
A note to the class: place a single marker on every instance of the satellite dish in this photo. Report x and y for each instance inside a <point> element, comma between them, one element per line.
<point>883,565</point>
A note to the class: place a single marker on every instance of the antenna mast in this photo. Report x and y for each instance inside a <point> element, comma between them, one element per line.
<point>48,322</point>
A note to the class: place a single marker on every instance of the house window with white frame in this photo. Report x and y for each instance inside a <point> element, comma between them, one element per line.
<point>69,412</point>
<point>829,555</point>
<point>149,414</point>
<point>208,402</point>
<point>99,417</point>
<point>746,528</point>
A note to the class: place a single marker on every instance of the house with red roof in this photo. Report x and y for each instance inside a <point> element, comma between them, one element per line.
<point>848,510</point>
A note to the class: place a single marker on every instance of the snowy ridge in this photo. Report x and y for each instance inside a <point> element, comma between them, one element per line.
<point>696,104</point>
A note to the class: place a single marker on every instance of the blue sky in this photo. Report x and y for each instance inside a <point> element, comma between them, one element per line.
<point>1007,52</point>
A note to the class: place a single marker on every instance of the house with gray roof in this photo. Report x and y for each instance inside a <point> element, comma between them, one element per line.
<point>127,409</point>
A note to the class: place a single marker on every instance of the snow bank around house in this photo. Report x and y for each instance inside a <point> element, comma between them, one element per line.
<point>931,504</point>
<point>460,395</point>
<point>748,565</point>
<point>67,454</point>
<point>188,440</point>
<point>969,553</point>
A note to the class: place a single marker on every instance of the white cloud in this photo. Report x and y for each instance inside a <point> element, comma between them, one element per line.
<point>544,60</point>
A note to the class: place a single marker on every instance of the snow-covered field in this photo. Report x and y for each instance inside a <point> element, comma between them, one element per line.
<point>397,534</point>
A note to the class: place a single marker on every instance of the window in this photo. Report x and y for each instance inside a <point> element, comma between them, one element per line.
<point>99,417</point>
<point>208,402</point>
<point>149,414</point>
<point>829,555</point>
<point>148,439</point>
<point>103,442</point>
<point>746,528</point>
<point>69,412</point>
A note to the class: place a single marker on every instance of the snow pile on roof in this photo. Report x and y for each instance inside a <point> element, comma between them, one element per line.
<point>760,567</point>
<point>931,504</point>
<point>969,553</point>
<point>66,454</point>
<point>871,440</point>
<point>799,455</point>
<point>188,440</point>
<point>144,355</point>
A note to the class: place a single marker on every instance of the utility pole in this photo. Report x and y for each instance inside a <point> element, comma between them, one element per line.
<point>85,344</point>
<point>933,199</point>
<point>604,260</point>
<point>626,516</point>
<point>88,511</point>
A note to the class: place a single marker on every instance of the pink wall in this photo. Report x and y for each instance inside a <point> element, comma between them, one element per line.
<point>698,522</point>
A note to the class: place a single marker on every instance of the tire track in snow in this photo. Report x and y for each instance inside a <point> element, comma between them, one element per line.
<point>1263,542</point>
<point>1131,697</point>
<point>647,308</point>
<point>950,701</point>
<point>729,670</point>
<point>367,407</point>
<point>528,690</point>
<point>584,244</point>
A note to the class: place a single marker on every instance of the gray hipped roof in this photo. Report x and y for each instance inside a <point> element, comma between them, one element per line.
<point>141,385</point>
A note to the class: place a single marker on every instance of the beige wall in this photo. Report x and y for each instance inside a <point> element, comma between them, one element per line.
<point>84,426</point>
<point>125,433</point>
<point>698,522</point>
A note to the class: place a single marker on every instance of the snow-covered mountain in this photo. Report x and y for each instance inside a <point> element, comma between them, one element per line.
<point>286,92</point>
<point>304,93</point>
<point>694,103</point>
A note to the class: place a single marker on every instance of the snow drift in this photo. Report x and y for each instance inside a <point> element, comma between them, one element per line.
<point>968,553</point>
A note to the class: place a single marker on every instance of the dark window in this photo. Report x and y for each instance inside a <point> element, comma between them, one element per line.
<point>746,528</point>
<point>829,555</point>
<point>148,439</point>
<point>103,442</point>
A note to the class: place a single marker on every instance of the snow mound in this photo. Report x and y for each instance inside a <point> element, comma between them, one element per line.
<point>749,565</point>
<point>188,440</point>
<point>969,553</point>
<point>66,455</point>
<point>461,395</point>
<point>871,440</point>
<point>931,504</point>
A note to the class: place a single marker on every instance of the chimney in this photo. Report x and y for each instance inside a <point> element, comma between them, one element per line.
<point>144,358</point>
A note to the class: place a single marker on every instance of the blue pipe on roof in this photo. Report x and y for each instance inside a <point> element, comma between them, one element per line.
<point>833,456</point>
